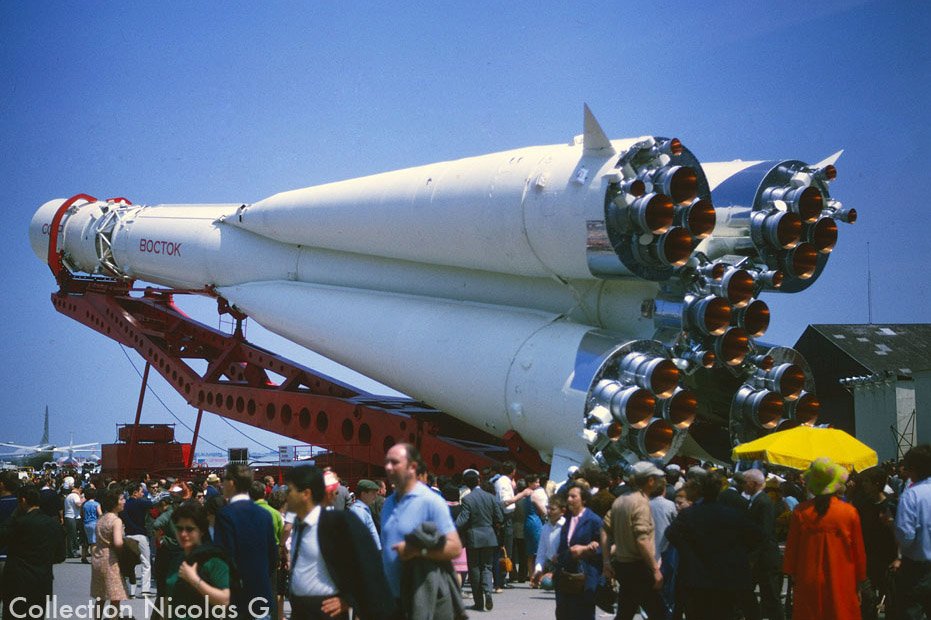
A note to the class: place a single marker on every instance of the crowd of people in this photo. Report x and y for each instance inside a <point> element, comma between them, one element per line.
<point>670,544</point>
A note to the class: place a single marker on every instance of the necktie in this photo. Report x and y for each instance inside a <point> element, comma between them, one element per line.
<point>300,526</point>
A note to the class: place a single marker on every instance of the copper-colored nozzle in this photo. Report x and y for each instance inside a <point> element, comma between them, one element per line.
<point>738,287</point>
<point>848,216</point>
<point>809,204</point>
<point>829,172</point>
<point>684,184</point>
<point>732,348</point>
<point>802,261</point>
<point>764,362</point>
<point>772,279</point>
<point>674,146</point>
<point>637,188</point>
<point>781,229</point>
<point>754,318</point>
<point>824,235</point>
<point>653,213</point>
<point>787,379</point>
<point>657,438</point>
<point>709,359</point>
<point>664,377</point>
<point>657,374</point>
<point>767,410</point>
<point>636,405</point>
<point>712,315</point>
<point>674,247</point>
<point>680,409</point>
<point>678,182</point>
<point>807,408</point>
<point>698,218</point>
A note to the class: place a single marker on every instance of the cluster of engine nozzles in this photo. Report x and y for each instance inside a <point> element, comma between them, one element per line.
<point>660,209</point>
<point>775,398</point>
<point>795,223</point>
<point>641,409</point>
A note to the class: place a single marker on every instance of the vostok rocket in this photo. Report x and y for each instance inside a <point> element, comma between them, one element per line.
<point>600,297</point>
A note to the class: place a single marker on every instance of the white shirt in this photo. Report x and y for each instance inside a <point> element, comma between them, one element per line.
<point>549,542</point>
<point>505,491</point>
<point>240,497</point>
<point>309,574</point>
<point>72,503</point>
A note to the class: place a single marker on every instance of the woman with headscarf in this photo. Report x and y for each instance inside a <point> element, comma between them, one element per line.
<point>824,554</point>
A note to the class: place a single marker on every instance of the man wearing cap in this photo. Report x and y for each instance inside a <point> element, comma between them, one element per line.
<point>366,492</point>
<point>480,516</point>
<point>629,527</point>
<point>674,481</point>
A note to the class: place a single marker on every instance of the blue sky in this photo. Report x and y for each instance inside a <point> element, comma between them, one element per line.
<point>225,102</point>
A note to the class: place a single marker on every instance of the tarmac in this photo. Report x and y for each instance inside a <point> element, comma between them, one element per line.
<point>72,585</point>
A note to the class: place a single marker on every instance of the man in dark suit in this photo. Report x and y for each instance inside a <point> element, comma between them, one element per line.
<point>765,560</point>
<point>480,517</point>
<point>34,542</point>
<point>733,495</point>
<point>350,573</point>
<point>245,530</point>
<point>714,542</point>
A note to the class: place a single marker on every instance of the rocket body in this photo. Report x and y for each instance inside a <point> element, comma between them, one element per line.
<point>564,291</point>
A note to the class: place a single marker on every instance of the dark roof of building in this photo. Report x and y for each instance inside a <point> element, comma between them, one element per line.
<point>902,348</point>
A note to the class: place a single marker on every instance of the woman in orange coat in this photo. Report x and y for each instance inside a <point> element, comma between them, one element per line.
<point>824,552</point>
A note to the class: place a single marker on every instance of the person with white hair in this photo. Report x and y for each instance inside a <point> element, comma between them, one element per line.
<point>765,560</point>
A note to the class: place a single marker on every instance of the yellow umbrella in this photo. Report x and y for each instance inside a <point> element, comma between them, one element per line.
<point>799,446</point>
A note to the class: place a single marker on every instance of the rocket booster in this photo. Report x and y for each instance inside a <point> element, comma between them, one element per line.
<point>581,294</point>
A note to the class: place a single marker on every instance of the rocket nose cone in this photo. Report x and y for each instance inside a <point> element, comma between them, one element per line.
<point>39,228</point>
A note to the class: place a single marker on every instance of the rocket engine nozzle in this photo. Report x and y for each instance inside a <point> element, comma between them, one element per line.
<point>754,318</point>
<point>659,375</point>
<point>737,286</point>
<point>802,261</point>
<point>807,202</point>
<point>805,409</point>
<point>678,182</point>
<point>732,347</point>
<point>680,409</point>
<point>698,217</point>
<point>763,408</point>
<point>824,235</point>
<point>780,229</point>
<point>786,379</point>
<point>655,440</point>
<point>631,405</point>
<point>652,213</point>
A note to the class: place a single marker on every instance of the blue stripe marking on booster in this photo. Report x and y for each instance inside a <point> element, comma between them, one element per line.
<point>740,189</point>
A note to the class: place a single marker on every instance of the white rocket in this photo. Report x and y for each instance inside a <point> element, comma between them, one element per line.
<point>587,295</point>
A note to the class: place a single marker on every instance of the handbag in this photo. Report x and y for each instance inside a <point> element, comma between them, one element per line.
<point>506,564</point>
<point>571,583</point>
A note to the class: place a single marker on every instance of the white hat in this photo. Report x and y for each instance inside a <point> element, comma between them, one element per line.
<point>673,467</point>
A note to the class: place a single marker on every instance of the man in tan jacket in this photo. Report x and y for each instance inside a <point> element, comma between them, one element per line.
<point>629,548</point>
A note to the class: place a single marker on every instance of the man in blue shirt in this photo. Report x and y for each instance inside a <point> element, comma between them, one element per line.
<point>913,579</point>
<point>366,490</point>
<point>411,504</point>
